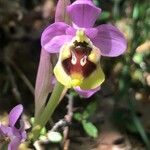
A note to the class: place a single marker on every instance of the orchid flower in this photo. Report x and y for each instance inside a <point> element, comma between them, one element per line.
<point>10,132</point>
<point>80,47</point>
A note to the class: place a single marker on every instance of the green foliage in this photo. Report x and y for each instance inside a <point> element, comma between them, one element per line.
<point>73,93</point>
<point>90,129</point>
<point>83,118</point>
<point>104,15</point>
<point>4,146</point>
<point>78,116</point>
<point>136,11</point>
<point>91,108</point>
<point>43,131</point>
<point>96,2</point>
<point>135,65</point>
<point>32,120</point>
<point>138,58</point>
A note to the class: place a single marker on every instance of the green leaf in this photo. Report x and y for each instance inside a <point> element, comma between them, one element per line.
<point>54,137</point>
<point>42,138</point>
<point>91,108</point>
<point>73,93</point>
<point>96,2</point>
<point>85,115</point>
<point>32,120</point>
<point>90,129</point>
<point>137,75</point>
<point>43,131</point>
<point>138,58</point>
<point>136,11</point>
<point>77,116</point>
<point>105,15</point>
<point>131,127</point>
<point>141,131</point>
<point>138,124</point>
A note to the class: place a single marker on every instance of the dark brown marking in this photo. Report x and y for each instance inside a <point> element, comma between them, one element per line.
<point>80,49</point>
<point>85,70</point>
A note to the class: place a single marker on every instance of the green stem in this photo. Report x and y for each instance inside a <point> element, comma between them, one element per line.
<point>47,112</point>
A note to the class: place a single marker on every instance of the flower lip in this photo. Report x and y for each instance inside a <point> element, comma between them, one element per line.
<point>78,62</point>
<point>86,79</point>
<point>85,70</point>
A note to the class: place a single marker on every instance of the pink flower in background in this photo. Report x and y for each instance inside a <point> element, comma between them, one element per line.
<point>11,132</point>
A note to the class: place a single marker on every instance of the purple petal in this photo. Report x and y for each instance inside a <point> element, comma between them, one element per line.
<point>6,131</point>
<point>56,29</point>
<point>110,41</point>
<point>23,136</point>
<point>56,43</point>
<point>86,93</point>
<point>91,32</point>
<point>14,114</point>
<point>14,144</point>
<point>16,133</point>
<point>71,31</point>
<point>83,13</point>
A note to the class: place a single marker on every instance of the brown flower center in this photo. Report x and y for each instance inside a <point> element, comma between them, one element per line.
<point>78,62</point>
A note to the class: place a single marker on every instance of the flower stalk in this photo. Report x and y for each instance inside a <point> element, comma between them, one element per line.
<point>47,112</point>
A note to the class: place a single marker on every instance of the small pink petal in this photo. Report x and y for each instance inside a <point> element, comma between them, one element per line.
<point>14,114</point>
<point>86,93</point>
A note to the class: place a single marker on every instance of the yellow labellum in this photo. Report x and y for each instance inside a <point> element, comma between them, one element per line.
<point>94,55</point>
<point>74,79</point>
<point>75,82</point>
<point>65,53</point>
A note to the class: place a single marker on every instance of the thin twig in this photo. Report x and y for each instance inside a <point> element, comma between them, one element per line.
<point>13,83</point>
<point>22,76</point>
<point>60,123</point>
<point>68,118</point>
<point>37,145</point>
